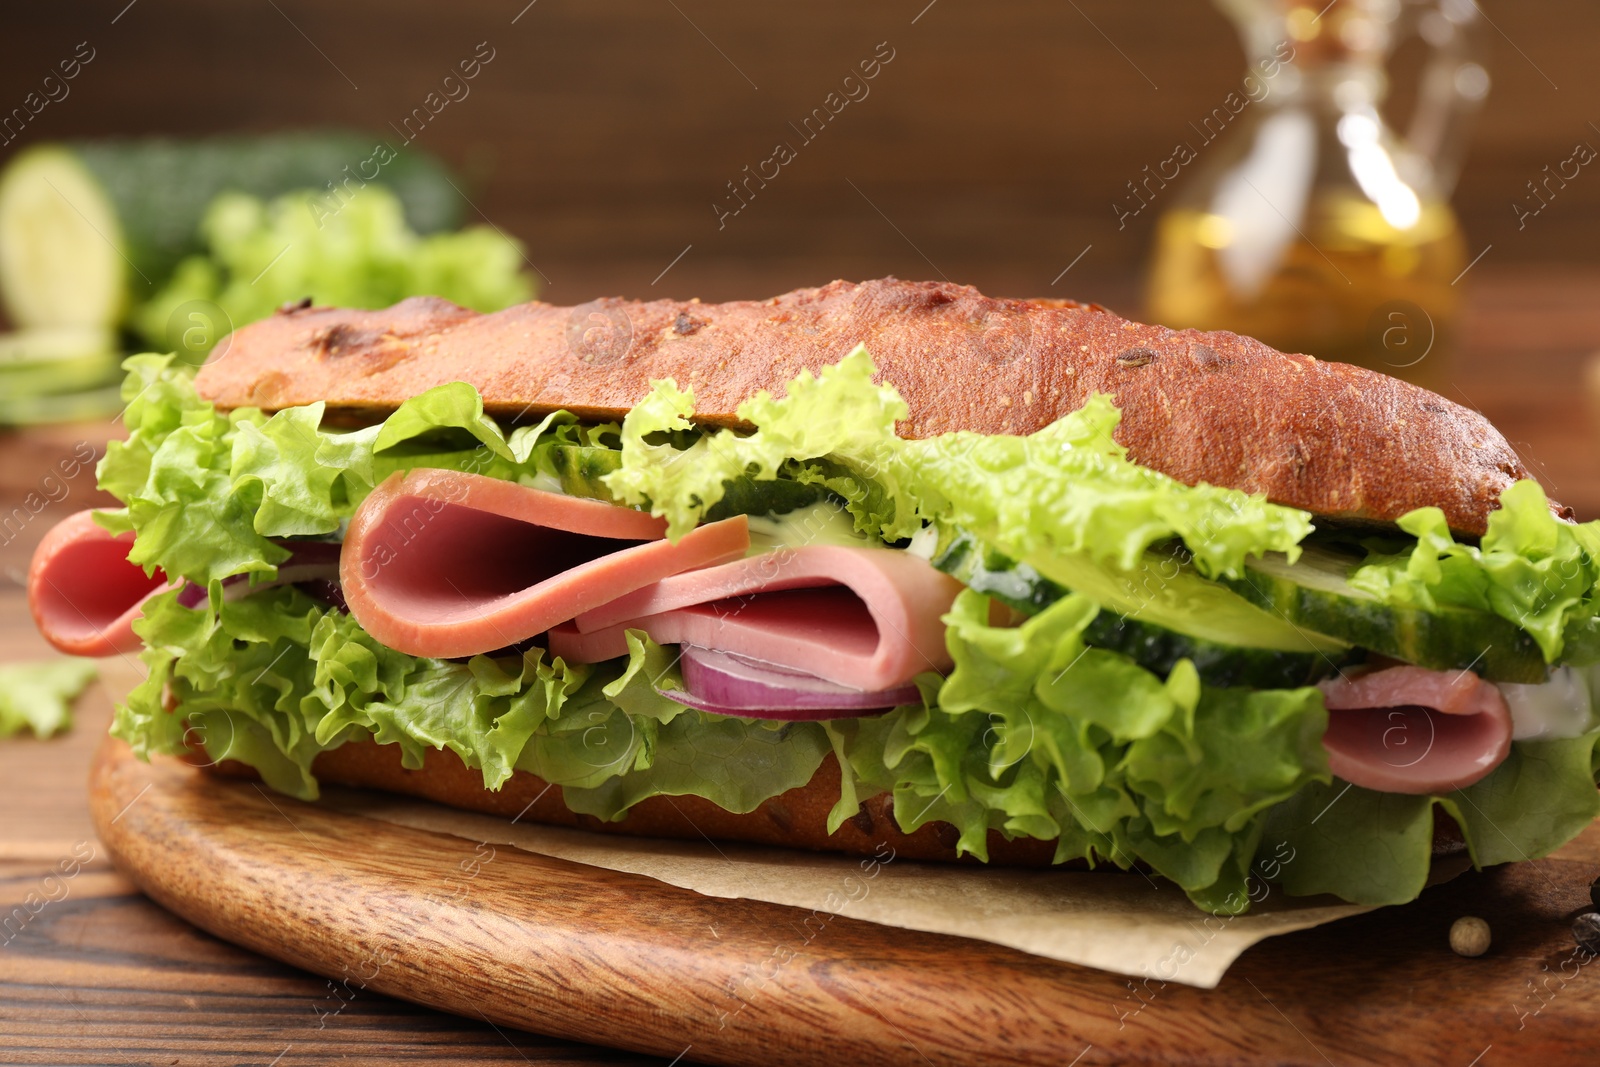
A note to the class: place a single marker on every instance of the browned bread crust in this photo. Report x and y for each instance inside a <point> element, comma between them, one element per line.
<point>1340,441</point>
<point>796,819</point>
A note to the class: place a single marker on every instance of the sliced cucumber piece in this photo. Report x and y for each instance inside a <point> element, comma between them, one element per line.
<point>746,496</point>
<point>1153,646</point>
<point>581,470</point>
<point>61,259</point>
<point>825,522</point>
<point>1158,649</point>
<point>1168,593</point>
<point>83,406</point>
<point>1315,592</point>
<point>58,360</point>
<point>54,345</point>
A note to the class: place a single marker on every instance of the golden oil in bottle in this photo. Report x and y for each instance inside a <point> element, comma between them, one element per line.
<point>1303,218</point>
<point>1349,285</point>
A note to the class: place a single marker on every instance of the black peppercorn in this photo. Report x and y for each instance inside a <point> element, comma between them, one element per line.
<point>1594,892</point>
<point>1586,932</point>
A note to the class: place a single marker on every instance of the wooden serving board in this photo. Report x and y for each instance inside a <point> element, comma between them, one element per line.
<point>617,959</point>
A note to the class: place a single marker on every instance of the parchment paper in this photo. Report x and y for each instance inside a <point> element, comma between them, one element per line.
<point>1117,921</point>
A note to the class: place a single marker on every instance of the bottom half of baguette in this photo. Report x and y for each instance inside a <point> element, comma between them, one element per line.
<point>795,819</point>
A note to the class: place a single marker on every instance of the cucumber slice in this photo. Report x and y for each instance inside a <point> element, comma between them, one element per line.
<point>84,406</point>
<point>88,230</point>
<point>581,470</point>
<point>1315,592</point>
<point>57,361</point>
<point>54,345</point>
<point>1158,649</point>
<point>1153,646</point>
<point>61,262</point>
<point>1170,594</point>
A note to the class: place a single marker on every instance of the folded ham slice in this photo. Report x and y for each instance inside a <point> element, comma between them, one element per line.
<point>84,593</point>
<point>1412,730</point>
<point>446,564</point>
<point>868,618</point>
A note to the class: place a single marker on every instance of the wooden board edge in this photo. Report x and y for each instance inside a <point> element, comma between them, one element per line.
<point>429,918</point>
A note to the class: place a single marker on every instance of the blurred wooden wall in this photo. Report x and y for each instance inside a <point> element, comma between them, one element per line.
<point>989,150</point>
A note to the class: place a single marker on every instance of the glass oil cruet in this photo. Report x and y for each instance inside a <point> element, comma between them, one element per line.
<point>1308,223</point>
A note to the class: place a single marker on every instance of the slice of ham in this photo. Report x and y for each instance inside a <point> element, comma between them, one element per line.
<point>447,564</point>
<point>868,618</point>
<point>84,593</point>
<point>1412,730</point>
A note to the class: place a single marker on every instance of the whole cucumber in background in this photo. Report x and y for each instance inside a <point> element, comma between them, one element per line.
<point>91,230</point>
<point>112,246</point>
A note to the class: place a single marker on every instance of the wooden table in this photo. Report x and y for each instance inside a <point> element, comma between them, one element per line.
<point>100,974</point>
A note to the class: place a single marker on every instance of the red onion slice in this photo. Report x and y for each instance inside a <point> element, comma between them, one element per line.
<point>729,684</point>
<point>290,573</point>
<point>311,552</point>
<point>311,562</point>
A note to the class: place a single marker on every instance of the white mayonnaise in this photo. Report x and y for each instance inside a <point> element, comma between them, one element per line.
<point>822,523</point>
<point>1562,707</point>
<point>542,480</point>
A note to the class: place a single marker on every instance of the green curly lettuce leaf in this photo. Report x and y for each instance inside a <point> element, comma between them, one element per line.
<point>1036,734</point>
<point>1530,567</point>
<point>275,678</point>
<point>1375,848</point>
<point>1069,488</point>
<point>262,254</point>
<point>839,416</point>
<point>208,492</point>
<point>39,696</point>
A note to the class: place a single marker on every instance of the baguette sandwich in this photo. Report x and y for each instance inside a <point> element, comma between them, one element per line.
<point>880,563</point>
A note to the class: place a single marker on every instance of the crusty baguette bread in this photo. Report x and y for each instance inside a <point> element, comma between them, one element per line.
<point>796,819</point>
<point>1337,440</point>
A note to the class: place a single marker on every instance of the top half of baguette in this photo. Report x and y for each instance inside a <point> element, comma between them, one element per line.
<point>1342,442</point>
